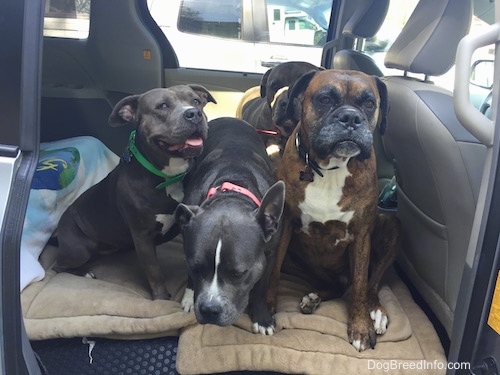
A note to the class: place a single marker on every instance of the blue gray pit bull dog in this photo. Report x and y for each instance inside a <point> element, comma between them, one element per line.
<point>231,225</point>
<point>133,206</point>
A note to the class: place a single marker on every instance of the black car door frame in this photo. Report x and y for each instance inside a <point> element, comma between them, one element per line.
<point>20,58</point>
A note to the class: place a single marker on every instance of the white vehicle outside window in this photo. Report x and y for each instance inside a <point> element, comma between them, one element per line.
<point>230,35</point>
<point>253,36</point>
<point>67,19</point>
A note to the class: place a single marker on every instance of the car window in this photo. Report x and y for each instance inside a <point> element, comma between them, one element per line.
<point>291,25</point>
<point>376,47</point>
<point>67,19</point>
<point>236,35</point>
<point>397,16</point>
<point>222,19</point>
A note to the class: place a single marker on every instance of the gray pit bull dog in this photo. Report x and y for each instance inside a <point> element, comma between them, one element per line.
<point>133,206</point>
<point>231,225</point>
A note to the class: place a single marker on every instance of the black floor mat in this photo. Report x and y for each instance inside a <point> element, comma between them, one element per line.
<point>112,357</point>
<point>72,356</point>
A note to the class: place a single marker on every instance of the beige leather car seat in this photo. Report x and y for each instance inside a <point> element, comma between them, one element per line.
<point>438,163</point>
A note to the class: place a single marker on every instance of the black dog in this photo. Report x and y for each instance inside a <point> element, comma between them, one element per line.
<point>260,110</point>
<point>134,205</point>
<point>231,224</point>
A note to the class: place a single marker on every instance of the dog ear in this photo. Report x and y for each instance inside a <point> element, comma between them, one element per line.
<point>203,93</point>
<point>124,111</point>
<point>263,83</point>
<point>271,209</point>
<point>384,104</point>
<point>184,213</point>
<point>296,94</point>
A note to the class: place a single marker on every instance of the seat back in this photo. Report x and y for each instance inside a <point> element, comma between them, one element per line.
<point>438,163</point>
<point>351,59</point>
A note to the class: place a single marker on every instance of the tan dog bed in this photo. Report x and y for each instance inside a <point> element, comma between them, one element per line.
<point>117,304</point>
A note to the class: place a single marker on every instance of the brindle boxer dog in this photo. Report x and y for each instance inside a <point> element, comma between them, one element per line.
<point>333,236</point>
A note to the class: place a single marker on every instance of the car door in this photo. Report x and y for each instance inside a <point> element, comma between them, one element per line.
<point>20,37</point>
<point>476,328</point>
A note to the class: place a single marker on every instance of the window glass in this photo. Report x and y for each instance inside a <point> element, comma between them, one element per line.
<point>447,80</point>
<point>221,19</point>
<point>240,35</point>
<point>67,18</point>
<point>397,16</point>
<point>293,25</point>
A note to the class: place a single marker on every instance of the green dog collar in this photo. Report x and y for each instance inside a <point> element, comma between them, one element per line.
<point>169,180</point>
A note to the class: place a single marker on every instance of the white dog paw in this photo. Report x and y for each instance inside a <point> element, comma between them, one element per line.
<point>263,330</point>
<point>187,302</point>
<point>358,345</point>
<point>380,321</point>
<point>309,303</point>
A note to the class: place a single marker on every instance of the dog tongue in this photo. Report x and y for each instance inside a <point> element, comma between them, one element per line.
<point>191,142</point>
<point>194,142</point>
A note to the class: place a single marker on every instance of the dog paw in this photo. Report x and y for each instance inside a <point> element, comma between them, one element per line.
<point>380,320</point>
<point>309,303</point>
<point>262,329</point>
<point>187,302</point>
<point>361,335</point>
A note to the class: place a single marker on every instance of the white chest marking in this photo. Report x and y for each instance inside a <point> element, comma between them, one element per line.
<point>175,191</point>
<point>176,166</point>
<point>322,198</point>
<point>214,287</point>
<point>166,220</point>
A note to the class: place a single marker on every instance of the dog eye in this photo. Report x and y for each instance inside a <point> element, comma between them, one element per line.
<point>238,275</point>
<point>324,99</point>
<point>369,104</point>
<point>196,101</point>
<point>162,106</point>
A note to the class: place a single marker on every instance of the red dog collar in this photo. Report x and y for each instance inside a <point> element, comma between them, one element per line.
<point>228,186</point>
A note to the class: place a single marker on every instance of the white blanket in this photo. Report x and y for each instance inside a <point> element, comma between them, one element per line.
<point>66,168</point>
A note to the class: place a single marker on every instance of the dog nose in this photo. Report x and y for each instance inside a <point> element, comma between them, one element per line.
<point>193,114</point>
<point>210,310</point>
<point>350,119</point>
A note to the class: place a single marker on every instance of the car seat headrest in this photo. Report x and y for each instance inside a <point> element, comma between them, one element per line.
<point>428,42</point>
<point>367,19</point>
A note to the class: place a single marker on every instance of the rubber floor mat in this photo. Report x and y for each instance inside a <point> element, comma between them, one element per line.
<point>97,356</point>
<point>105,357</point>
